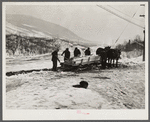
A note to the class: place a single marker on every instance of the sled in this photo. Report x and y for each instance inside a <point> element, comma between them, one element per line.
<point>80,63</point>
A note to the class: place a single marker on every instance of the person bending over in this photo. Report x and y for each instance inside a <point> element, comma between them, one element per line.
<point>67,54</point>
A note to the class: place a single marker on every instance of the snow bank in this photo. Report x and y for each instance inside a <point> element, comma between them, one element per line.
<point>132,61</point>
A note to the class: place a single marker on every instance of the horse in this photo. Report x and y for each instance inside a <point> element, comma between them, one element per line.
<point>112,55</point>
<point>103,54</point>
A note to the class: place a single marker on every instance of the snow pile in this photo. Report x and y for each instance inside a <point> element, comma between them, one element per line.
<point>132,61</point>
<point>131,54</point>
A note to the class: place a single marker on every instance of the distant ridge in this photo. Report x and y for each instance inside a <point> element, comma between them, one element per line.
<point>32,26</point>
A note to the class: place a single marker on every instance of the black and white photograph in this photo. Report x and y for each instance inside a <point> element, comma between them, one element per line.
<point>75,60</point>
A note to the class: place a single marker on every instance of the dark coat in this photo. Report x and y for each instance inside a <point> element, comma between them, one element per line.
<point>87,52</point>
<point>76,52</point>
<point>54,56</point>
<point>67,54</point>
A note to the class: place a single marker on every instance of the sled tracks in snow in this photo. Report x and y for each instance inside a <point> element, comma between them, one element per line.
<point>26,71</point>
<point>59,69</point>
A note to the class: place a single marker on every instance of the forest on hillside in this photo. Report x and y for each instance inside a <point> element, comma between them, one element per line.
<point>24,45</point>
<point>19,45</point>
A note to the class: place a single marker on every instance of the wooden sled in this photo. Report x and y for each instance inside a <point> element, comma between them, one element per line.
<point>80,62</point>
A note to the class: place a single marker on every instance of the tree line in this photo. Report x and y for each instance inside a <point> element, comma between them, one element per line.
<point>29,45</point>
<point>130,45</point>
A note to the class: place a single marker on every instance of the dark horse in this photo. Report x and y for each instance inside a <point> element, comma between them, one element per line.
<point>112,55</point>
<point>103,54</point>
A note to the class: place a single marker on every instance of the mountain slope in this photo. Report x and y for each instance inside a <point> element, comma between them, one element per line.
<point>31,26</point>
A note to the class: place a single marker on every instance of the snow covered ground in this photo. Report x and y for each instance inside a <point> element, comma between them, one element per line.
<point>132,61</point>
<point>116,88</point>
<point>44,61</point>
<point>30,63</point>
<point>33,62</point>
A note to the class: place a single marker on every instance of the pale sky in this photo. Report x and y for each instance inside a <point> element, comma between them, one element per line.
<point>88,20</point>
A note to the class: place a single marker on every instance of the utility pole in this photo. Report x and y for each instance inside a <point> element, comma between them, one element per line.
<point>144,46</point>
<point>144,36</point>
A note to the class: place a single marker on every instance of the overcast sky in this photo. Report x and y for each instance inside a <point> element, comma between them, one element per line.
<point>88,20</point>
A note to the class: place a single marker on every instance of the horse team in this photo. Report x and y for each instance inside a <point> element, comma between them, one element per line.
<point>108,56</point>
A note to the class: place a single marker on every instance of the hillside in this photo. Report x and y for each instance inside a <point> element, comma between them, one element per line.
<point>25,45</point>
<point>34,27</point>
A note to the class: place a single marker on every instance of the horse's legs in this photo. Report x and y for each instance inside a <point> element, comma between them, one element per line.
<point>116,62</point>
<point>110,61</point>
<point>113,62</point>
<point>105,63</point>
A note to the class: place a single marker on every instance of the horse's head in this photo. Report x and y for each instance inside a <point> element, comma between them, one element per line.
<point>107,48</point>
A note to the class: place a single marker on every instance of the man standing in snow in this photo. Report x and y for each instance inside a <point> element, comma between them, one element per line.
<point>67,54</point>
<point>55,59</point>
<point>87,51</point>
<point>77,52</point>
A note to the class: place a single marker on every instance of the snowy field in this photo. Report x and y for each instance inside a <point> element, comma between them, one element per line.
<point>116,88</point>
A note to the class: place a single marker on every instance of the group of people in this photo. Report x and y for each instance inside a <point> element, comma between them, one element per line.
<point>66,54</point>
